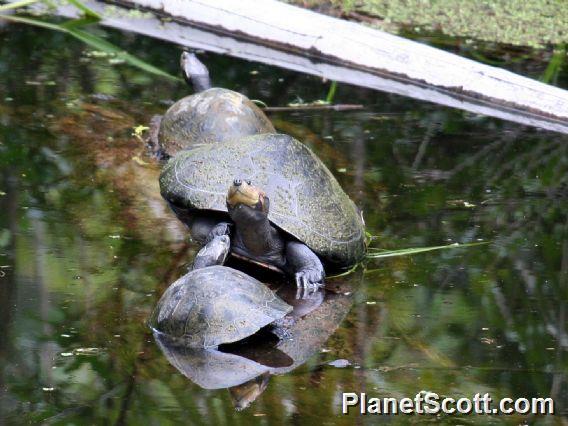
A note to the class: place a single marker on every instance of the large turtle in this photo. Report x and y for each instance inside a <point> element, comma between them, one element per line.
<point>300,217</point>
<point>215,305</point>
<point>210,115</point>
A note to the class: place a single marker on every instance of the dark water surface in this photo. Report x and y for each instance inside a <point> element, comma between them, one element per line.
<point>87,247</point>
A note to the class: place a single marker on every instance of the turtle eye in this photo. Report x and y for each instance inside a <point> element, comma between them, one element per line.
<point>248,182</point>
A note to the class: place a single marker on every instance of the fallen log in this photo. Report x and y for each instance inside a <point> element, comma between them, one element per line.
<point>279,34</point>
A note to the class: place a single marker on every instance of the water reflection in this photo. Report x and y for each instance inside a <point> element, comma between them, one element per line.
<point>87,247</point>
<point>245,367</point>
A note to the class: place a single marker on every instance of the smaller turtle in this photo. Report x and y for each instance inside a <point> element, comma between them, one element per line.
<point>215,305</point>
<point>246,367</point>
<point>211,115</point>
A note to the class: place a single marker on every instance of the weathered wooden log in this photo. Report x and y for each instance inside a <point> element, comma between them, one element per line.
<point>279,34</point>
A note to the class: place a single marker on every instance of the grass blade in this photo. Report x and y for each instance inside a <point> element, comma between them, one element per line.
<point>331,92</point>
<point>32,21</point>
<point>93,41</point>
<point>101,44</point>
<point>375,253</point>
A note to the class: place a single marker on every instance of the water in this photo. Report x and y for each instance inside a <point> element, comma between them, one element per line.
<point>87,246</point>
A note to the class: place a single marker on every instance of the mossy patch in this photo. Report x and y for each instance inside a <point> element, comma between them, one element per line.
<point>537,23</point>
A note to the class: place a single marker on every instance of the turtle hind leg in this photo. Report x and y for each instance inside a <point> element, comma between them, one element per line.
<point>305,266</point>
<point>213,253</point>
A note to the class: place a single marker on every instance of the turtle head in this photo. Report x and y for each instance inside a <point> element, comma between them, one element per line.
<point>245,199</point>
<point>244,394</point>
<point>194,72</point>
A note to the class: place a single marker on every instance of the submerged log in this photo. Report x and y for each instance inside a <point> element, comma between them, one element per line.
<point>279,34</point>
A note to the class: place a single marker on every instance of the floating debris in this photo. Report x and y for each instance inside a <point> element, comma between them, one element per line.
<point>461,203</point>
<point>87,351</point>
<point>139,161</point>
<point>139,130</point>
<point>83,352</point>
<point>116,61</point>
<point>339,363</point>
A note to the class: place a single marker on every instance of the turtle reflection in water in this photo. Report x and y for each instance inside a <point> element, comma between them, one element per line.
<point>211,115</point>
<point>299,222</point>
<point>245,368</point>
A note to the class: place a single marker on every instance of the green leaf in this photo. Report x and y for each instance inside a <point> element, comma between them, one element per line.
<point>86,10</point>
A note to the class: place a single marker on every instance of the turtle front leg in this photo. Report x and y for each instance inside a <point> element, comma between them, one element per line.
<point>216,248</point>
<point>306,267</point>
<point>222,228</point>
<point>152,139</point>
<point>213,253</point>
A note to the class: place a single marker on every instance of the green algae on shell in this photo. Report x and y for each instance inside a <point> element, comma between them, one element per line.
<point>214,115</point>
<point>215,305</point>
<point>306,200</point>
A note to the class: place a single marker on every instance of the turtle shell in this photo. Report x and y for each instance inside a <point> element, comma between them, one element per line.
<point>215,305</point>
<point>305,199</point>
<point>214,115</point>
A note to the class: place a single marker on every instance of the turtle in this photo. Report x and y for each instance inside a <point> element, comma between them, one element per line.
<point>210,115</point>
<point>296,218</point>
<point>246,367</point>
<point>217,305</point>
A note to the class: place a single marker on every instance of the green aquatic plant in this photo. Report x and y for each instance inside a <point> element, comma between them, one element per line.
<point>536,23</point>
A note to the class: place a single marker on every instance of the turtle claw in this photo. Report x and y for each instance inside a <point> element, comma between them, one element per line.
<point>306,288</point>
<point>219,230</point>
